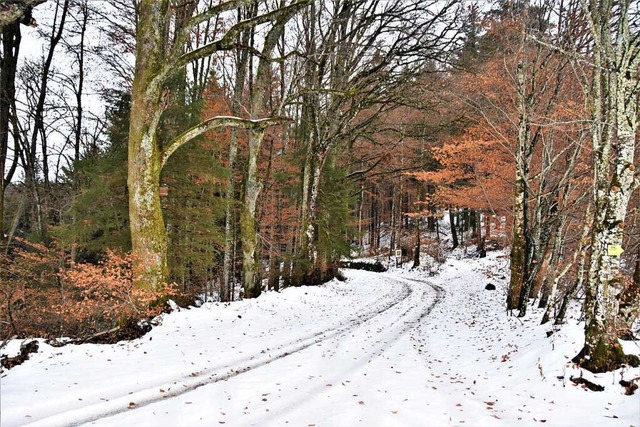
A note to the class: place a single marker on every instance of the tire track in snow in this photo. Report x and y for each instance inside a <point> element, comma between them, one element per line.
<point>413,314</point>
<point>407,320</point>
<point>178,386</point>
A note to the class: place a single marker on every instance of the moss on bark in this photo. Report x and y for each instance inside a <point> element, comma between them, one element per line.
<point>604,356</point>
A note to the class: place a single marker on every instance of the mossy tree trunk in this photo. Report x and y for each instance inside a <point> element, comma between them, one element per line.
<point>148,237</point>
<point>156,63</point>
<point>251,280</point>
<point>248,230</point>
<point>614,107</point>
<point>230,236</point>
<point>520,242</point>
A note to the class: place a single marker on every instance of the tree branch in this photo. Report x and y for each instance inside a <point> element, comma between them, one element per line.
<point>229,39</point>
<point>227,42</point>
<point>13,11</point>
<point>194,21</point>
<point>214,123</point>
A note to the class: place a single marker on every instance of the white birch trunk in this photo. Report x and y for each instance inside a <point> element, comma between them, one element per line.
<point>614,127</point>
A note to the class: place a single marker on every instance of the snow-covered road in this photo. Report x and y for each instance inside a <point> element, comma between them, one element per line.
<point>378,350</point>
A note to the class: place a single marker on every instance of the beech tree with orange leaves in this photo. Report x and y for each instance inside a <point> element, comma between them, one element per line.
<point>521,154</point>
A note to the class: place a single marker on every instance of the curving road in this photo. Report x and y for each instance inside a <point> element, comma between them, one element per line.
<point>240,388</point>
<point>379,350</point>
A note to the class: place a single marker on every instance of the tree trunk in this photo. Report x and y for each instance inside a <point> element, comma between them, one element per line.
<point>552,294</point>
<point>630,298</point>
<point>636,271</point>
<point>454,232</point>
<point>248,231</point>
<point>361,216</point>
<point>11,38</point>
<point>148,236</point>
<point>549,260</point>
<point>478,230</point>
<point>581,253</point>
<point>549,263</point>
<point>615,113</point>
<point>229,217</point>
<point>253,183</point>
<point>274,272</point>
<point>156,63</point>
<point>373,225</point>
<point>517,296</point>
<point>487,226</point>
<point>472,224</point>
<point>242,58</point>
<point>310,188</point>
<point>392,224</point>
<point>416,252</point>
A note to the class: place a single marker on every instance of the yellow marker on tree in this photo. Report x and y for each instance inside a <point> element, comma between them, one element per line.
<point>615,250</point>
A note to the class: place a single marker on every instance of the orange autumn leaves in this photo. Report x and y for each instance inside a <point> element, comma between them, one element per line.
<point>476,163</point>
<point>45,296</point>
<point>476,172</point>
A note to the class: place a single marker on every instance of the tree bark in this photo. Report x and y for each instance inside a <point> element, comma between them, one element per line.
<point>454,233</point>
<point>11,38</point>
<point>516,298</point>
<point>156,63</point>
<point>148,236</point>
<point>614,126</point>
<point>18,11</point>
<point>248,231</point>
<point>582,258</point>
<point>416,252</point>
<point>636,271</point>
<point>251,280</point>
<point>230,216</point>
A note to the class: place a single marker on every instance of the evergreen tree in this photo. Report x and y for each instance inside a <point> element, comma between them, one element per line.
<point>101,207</point>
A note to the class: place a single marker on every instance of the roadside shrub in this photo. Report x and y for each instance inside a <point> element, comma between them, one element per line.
<point>45,296</point>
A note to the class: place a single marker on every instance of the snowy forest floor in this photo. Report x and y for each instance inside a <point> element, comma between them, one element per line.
<point>402,348</point>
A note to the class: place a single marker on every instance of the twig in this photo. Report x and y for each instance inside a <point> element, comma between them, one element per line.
<point>99,334</point>
<point>6,341</point>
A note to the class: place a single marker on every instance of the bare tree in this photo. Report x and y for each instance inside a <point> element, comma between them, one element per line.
<point>241,65</point>
<point>8,64</point>
<point>33,132</point>
<point>359,55</point>
<point>613,101</point>
<point>156,62</point>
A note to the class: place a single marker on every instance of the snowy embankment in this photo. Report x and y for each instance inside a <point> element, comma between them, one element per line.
<point>391,349</point>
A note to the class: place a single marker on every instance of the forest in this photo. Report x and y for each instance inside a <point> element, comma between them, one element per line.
<point>215,150</point>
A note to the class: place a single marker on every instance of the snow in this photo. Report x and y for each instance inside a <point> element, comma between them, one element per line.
<point>402,348</point>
